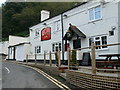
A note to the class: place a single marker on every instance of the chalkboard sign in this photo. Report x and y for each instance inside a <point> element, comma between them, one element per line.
<point>86,59</point>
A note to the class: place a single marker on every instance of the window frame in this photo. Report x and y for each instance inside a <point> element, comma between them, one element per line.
<point>94,13</point>
<point>57,44</point>
<point>100,39</point>
<point>37,49</point>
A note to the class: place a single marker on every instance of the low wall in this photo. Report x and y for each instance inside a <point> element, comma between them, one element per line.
<point>87,81</point>
<point>53,70</point>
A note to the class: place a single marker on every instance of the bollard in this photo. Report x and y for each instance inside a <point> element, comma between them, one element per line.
<point>27,59</point>
<point>50,59</point>
<point>35,59</point>
<point>68,56</point>
<point>44,58</point>
<point>93,59</point>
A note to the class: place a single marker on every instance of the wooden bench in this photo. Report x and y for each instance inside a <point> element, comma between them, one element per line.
<point>108,63</point>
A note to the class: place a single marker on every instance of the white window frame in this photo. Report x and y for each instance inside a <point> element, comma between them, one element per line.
<point>100,39</point>
<point>37,32</point>
<point>94,13</point>
<point>36,49</point>
<point>57,26</point>
<point>56,46</point>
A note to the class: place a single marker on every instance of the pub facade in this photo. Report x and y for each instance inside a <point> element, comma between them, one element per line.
<point>91,21</point>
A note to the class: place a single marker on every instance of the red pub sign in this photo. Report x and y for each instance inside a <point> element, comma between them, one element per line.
<point>46,34</point>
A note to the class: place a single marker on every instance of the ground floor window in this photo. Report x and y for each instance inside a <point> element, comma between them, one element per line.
<point>37,49</point>
<point>56,46</point>
<point>77,43</point>
<point>98,40</point>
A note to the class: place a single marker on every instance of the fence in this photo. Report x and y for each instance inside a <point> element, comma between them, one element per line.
<point>50,57</point>
<point>50,54</point>
<point>81,79</point>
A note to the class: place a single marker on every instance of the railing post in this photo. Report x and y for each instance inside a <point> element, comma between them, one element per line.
<point>50,59</point>
<point>93,59</point>
<point>35,59</point>
<point>44,58</point>
<point>59,62</point>
<point>68,56</point>
<point>27,59</point>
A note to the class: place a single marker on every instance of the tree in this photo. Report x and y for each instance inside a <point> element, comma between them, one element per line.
<point>18,17</point>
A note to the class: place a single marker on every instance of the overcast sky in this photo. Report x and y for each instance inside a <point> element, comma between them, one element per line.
<point>2,1</point>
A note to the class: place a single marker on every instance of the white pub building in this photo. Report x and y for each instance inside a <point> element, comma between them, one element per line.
<point>92,21</point>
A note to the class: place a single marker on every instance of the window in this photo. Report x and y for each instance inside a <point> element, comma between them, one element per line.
<point>104,41</point>
<point>77,43</point>
<point>10,50</point>
<point>53,47</point>
<point>37,49</point>
<point>56,46</point>
<point>91,14</point>
<point>95,13</point>
<point>36,33</point>
<point>90,41</point>
<point>57,26</point>
<point>111,33</point>
<point>99,40</point>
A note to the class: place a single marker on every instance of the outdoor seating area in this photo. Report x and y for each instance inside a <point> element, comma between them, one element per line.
<point>109,63</point>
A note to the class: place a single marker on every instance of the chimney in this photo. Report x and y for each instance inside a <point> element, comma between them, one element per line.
<point>44,15</point>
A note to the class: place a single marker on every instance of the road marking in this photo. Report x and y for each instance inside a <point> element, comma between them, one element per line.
<point>42,72</point>
<point>58,83</point>
<point>7,69</point>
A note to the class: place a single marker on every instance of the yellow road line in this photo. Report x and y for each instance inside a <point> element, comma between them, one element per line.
<point>59,84</point>
<point>62,86</point>
<point>55,79</point>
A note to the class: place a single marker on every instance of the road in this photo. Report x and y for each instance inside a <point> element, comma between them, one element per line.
<point>17,76</point>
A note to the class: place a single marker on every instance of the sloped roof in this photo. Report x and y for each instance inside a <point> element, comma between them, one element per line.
<point>74,29</point>
<point>77,31</point>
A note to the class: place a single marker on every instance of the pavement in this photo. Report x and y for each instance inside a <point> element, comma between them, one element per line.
<point>17,76</point>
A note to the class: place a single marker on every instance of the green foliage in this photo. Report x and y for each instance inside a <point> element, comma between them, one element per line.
<point>18,17</point>
<point>73,58</point>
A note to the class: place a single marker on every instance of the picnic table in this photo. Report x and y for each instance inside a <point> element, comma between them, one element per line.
<point>109,63</point>
<point>109,56</point>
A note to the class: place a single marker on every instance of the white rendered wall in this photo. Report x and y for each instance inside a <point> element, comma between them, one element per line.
<point>4,47</point>
<point>80,18</point>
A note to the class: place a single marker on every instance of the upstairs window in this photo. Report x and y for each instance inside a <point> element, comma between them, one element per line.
<point>95,13</point>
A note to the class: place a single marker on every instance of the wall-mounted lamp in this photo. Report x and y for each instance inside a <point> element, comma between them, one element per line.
<point>65,15</point>
<point>44,24</point>
<point>113,27</point>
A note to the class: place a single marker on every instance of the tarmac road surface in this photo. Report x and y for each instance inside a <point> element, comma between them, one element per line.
<point>17,76</point>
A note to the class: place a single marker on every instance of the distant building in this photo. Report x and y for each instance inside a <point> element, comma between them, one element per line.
<point>4,49</point>
<point>18,48</point>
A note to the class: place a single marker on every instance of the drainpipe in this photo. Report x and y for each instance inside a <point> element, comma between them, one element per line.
<point>62,37</point>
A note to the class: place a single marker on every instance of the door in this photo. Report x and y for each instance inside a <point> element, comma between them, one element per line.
<point>19,53</point>
<point>76,43</point>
